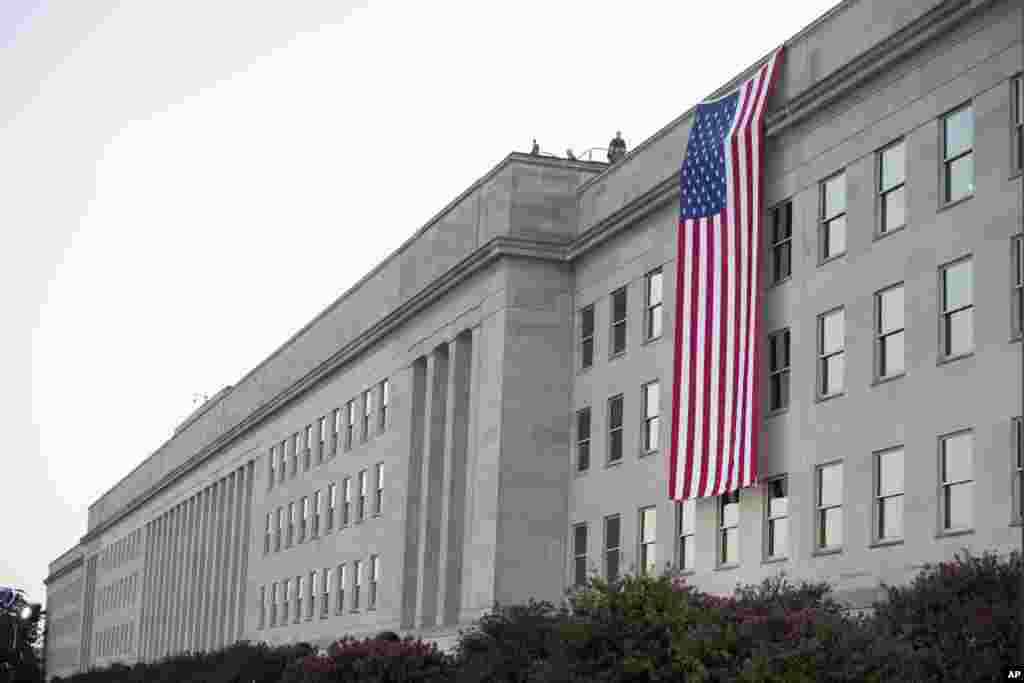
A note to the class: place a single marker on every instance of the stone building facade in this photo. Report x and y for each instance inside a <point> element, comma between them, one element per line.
<point>485,415</point>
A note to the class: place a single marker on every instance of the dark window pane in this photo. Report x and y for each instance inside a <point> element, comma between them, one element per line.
<point>959,132</point>
<point>893,166</point>
<point>783,265</point>
<point>891,355</point>
<point>612,565</point>
<point>583,456</point>
<point>615,412</point>
<point>783,223</point>
<point>580,571</point>
<point>618,338</point>
<point>587,322</point>
<point>959,332</point>
<point>611,532</point>
<point>587,353</point>
<point>894,209</point>
<point>619,305</point>
<point>960,178</point>
<point>686,550</point>
<point>580,539</point>
<point>615,446</point>
<point>583,424</point>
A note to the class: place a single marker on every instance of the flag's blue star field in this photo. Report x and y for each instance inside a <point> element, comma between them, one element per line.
<point>703,175</point>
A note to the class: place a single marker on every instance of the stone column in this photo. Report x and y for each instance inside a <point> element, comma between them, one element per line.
<point>250,470</point>
<point>433,478</point>
<point>414,492</point>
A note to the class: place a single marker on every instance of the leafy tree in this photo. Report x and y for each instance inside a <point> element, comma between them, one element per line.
<point>20,643</point>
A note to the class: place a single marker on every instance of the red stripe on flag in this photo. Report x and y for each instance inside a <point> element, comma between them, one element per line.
<point>673,465</point>
<point>691,407</point>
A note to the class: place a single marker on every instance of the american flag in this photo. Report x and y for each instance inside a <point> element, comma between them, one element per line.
<point>714,383</point>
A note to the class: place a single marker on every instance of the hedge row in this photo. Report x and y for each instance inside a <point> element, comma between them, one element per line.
<point>957,621</point>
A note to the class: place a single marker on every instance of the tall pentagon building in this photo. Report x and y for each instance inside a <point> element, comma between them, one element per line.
<point>485,416</point>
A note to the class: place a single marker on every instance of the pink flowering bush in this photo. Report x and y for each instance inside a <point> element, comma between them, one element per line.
<point>372,661</point>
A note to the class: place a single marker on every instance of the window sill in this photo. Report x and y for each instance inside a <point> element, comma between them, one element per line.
<point>645,454</point>
<point>581,473</point>
<point>686,572</point>
<point>776,412</point>
<point>955,202</point>
<point>830,259</point>
<point>943,360</point>
<point>1016,523</point>
<point>886,543</point>
<point>829,397</point>
<point>822,552</point>
<point>1016,174</point>
<point>376,515</point>
<point>778,283</point>
<point>774,560</point>
<point>584,370</point>
<point>879,235</point>
<point>614,463</point>
<point>1016,338</point>
<point>948,533</point>
<point>727,567</point>
<point>616,355</point>
<point>888,378</point>
<point>652,340</point>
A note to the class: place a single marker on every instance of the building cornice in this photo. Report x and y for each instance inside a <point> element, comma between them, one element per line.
<point>66,569</point>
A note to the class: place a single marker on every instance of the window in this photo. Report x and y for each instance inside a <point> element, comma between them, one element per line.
<point>579,554</point>
<point>335,430</point>
<point>648,536</point>
<point>958,154</point>
<point>612,546</point>
<point>350,423</point>
<point>307,446</point>
<point>780,259</point>
<point>364,434</point>
<point>280,526</point>
<point>833,217</point>
<point>340,604</point>
<point>281,464</point>
<point>686,527</point>
<point>583,440</point>
<point>272,463</point>
<point>957,330</point>
<point>889,495</point>
<point>321,439</point>
<point>586,337</point>
<point>361,505</point>
<point>266,538</point>
<point>371,598</point>
<point>831,344</point>
<point>615,429</point>
<point>1017,430</point>
<point>729,528</point>
<point>316,514</point>
<point>777,512</point>
<point>303,529</point>
<point>778,370</point>
<point>346,500</point>
<point>892,197</point>
<point>618,321</point>
<point>291,524</point>
<point>889,361</point>
<point>653,306</point>
<point>300,593</point>
<point>284,604</point>
<point>325,592</point>
<point>378,497</point>
<point>1017,295</point>
<point>957,455</point>
<point>652,420</point>
<point>295,453</point>
<point>829,486</point>
<point>332,493</point>
<point>313,585</point>
<point>385,401</point>
<point>357,583</point>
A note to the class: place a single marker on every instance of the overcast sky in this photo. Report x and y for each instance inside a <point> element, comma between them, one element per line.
<point>184,184</point>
